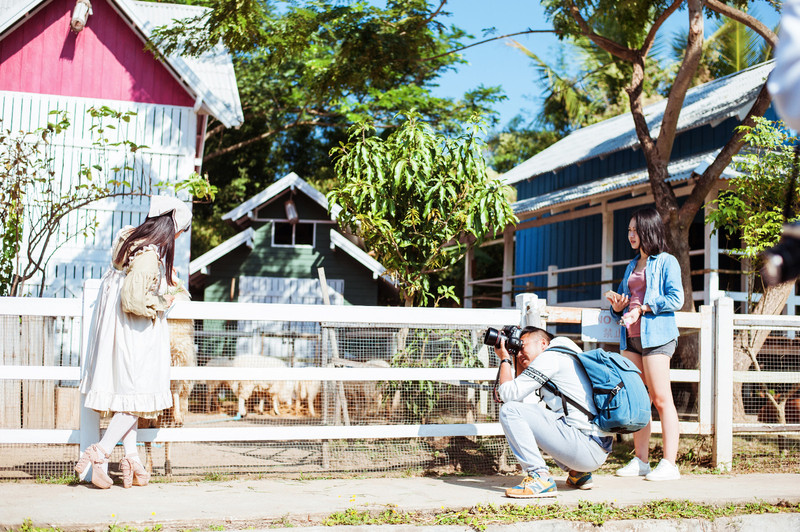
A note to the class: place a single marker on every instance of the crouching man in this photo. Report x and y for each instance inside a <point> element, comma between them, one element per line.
<point>562,431</point>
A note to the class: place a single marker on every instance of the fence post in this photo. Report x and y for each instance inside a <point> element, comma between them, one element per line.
<point>723,384</point>
<point>90,420</point>
<point>508,267</point>
<point>531,309</point>
<point>705,402</point>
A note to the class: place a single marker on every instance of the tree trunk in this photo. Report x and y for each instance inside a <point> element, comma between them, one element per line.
<point>747,344</point>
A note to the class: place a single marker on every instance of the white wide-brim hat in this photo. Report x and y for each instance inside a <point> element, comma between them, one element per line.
<point>181,214</point>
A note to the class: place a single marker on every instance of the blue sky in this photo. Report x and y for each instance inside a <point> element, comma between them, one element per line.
<point>496,63</point>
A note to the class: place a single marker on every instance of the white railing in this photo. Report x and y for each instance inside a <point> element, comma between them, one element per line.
<point>714,376</point>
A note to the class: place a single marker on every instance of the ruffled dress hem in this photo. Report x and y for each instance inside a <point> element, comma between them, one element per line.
<point>148,405</point>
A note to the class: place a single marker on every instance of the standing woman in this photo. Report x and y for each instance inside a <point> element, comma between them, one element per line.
<point>649,294</point>
<point>127,364</point>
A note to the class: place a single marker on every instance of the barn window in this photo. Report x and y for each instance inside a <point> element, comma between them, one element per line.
<point>287,234</point>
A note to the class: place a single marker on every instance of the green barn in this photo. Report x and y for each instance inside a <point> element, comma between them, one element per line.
<point>286,235</point>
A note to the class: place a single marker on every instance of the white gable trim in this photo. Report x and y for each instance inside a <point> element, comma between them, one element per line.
<point>291,180</point>
<point>228,113</point>
<point>20,13</point>
<point>201,263</point>
<point>185,75</point>
<point>377,269</point>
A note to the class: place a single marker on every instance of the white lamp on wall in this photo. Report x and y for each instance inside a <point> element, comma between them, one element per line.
<point>291,211</point>
<point>83,8</point>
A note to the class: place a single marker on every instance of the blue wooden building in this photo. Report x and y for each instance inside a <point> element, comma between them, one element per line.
<point>574,199</point>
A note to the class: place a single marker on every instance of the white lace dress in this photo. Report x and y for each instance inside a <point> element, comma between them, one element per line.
<point>127,361</point>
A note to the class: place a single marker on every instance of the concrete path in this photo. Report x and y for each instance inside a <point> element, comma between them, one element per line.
<point>260,503</point>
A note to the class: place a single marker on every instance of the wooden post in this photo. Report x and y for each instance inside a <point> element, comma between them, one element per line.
<point>38,349</point>
<point>711,256</point>
<point>723,384</point>
<point>340,400</point>
<point>705,402</point>
<point>531,309</point>
<point>508,267</point>
<point>607,251</point>
<point>468,278</point>
<point>10,390</point>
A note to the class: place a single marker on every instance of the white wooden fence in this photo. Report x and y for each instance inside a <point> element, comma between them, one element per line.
<point>714,376</point>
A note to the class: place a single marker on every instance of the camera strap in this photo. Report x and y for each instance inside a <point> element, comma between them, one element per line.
<point>497,380</point>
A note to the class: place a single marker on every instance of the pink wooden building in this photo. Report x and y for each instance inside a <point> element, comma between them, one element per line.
<point>45,65</point>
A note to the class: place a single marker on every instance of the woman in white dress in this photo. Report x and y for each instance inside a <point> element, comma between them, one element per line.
<point>127,363</point>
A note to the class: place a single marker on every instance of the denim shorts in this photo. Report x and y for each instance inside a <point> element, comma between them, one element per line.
<point>635,345</point>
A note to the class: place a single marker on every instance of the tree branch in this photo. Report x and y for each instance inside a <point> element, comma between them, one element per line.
<point>266,135</point>
<point>434,14</point>
<point>456,50</point>
<point>744,18</point>
<point>651,35</point>
<point>683,80</point>
<point>614,48</point>
<point>706,181</point>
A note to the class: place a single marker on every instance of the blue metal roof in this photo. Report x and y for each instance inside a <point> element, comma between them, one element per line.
<point>709,103</point>
<point>679,170</point>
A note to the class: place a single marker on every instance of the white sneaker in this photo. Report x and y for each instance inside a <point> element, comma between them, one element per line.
<point>634,468</point>
<point>665,470</point>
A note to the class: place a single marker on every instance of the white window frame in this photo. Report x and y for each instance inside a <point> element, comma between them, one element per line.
<point>294,233</point>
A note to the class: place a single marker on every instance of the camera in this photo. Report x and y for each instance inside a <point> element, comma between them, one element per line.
<point>782,262</point>
<point>509,333</point>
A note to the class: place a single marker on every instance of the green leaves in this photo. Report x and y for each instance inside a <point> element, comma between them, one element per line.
<point>752,206</point>
<point>412,196</point>
<point>36,196</point>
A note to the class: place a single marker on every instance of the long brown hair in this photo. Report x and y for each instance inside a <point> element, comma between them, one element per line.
<point>651,231</point>
<point>160,231</point>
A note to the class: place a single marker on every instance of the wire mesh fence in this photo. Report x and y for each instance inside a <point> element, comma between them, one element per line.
<point>766,391</point>
<point>244,397</point>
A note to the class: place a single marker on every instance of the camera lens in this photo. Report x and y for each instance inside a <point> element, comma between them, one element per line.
<point>492,337</point>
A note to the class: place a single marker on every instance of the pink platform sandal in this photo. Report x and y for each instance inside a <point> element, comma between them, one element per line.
<point>95,456</point>
<point>133,473</point>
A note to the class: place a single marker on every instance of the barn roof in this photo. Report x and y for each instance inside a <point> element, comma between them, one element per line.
<point>710,103</point>
<point>680,170</point>
<point>289,181</point>
<point>210,79</point>
<point>202,262</point>
<point>245,210</point>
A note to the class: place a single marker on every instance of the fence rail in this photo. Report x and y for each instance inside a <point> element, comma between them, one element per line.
<point>714,377</point>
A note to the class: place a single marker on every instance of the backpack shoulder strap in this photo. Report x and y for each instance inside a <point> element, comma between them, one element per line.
<point>550,386</point>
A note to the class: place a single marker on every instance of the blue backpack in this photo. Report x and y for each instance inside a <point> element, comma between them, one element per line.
<point>620,396</point>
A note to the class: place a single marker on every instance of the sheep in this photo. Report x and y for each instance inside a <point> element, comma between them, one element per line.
<point>182,353</point>
<point>279,392</point>
<point>306,391</point>
<point>213,387</point>
<point>365,398</point>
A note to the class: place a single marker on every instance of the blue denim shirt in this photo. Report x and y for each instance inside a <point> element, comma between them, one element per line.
<point>664,295</point>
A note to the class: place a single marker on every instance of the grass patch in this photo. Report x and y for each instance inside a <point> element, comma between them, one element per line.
<point>28,526</point>
<point>67,479</point>
<point>478,517</point>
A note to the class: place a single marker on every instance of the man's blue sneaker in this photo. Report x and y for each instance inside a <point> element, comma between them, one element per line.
<point>533,486</point>
<point>580,481</point>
